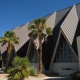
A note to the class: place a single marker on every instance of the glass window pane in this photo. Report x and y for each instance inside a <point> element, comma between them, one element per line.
<point>65,53</point>
<point>66,57</point>
<point>61,45</point>
<point>65,47</point>
<point>61,57</point>
<point>61,51</point>
<point>57,55</point>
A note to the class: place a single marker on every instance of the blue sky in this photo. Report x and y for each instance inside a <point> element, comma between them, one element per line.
<point>17,12</point>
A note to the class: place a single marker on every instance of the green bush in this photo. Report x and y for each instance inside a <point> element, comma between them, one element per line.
<point>75,75</point>
<point>20,69</point>
<point>34,71</point>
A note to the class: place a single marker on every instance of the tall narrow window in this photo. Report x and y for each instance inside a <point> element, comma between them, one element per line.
<point>33,56</point>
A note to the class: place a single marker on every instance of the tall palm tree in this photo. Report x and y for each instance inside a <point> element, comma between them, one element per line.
<point>40,31</point>
<point>9,39</point>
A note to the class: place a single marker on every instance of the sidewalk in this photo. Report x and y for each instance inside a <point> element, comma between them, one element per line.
<point>44,78</point>
<point>3,77</point>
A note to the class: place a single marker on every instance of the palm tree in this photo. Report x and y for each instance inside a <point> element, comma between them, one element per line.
<point>39,31</point>
<point>9,39</point>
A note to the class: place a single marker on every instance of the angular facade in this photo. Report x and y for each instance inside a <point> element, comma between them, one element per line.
<point>60,53</point>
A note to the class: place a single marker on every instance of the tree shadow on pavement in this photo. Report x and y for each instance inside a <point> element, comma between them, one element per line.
<point>59,79</point>
<point>56,77</point>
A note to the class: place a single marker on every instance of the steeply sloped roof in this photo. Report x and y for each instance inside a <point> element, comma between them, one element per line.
<point>70,24</point>
<point>51,20</point>
<point>60,14</point>
<point>22,32</point>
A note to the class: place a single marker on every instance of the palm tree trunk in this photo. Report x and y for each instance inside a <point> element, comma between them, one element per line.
<point>8,56</point>
<point>7,61</point>
<point>40,56</point>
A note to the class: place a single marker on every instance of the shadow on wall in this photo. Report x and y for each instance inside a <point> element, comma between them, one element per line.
<point>4,56</point>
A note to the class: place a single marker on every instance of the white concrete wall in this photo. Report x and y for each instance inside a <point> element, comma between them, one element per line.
<point>37,66</point>
<point>60,66</point>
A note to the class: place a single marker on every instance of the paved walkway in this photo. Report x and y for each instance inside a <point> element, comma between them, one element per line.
<point>40,77</point>
<point>44,78</point>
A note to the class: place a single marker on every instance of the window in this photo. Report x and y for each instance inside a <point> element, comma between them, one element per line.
<point>64,52</point>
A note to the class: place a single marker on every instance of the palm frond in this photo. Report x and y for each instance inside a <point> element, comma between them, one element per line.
<point>32,27</point>
<point>43,35</point>
<point>49,31</point>
<point>39,29</point>
<point>33,35</point>
<point>9,37</point>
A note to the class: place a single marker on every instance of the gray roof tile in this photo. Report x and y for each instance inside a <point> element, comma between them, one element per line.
<point>70,24</point>
<point>60,14</point>
<point>51,20</point>
<point>22,33</point>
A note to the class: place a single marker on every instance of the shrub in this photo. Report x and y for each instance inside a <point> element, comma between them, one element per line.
<point>20,69</point>
<point>34,71</point>
<point>75,75</point>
